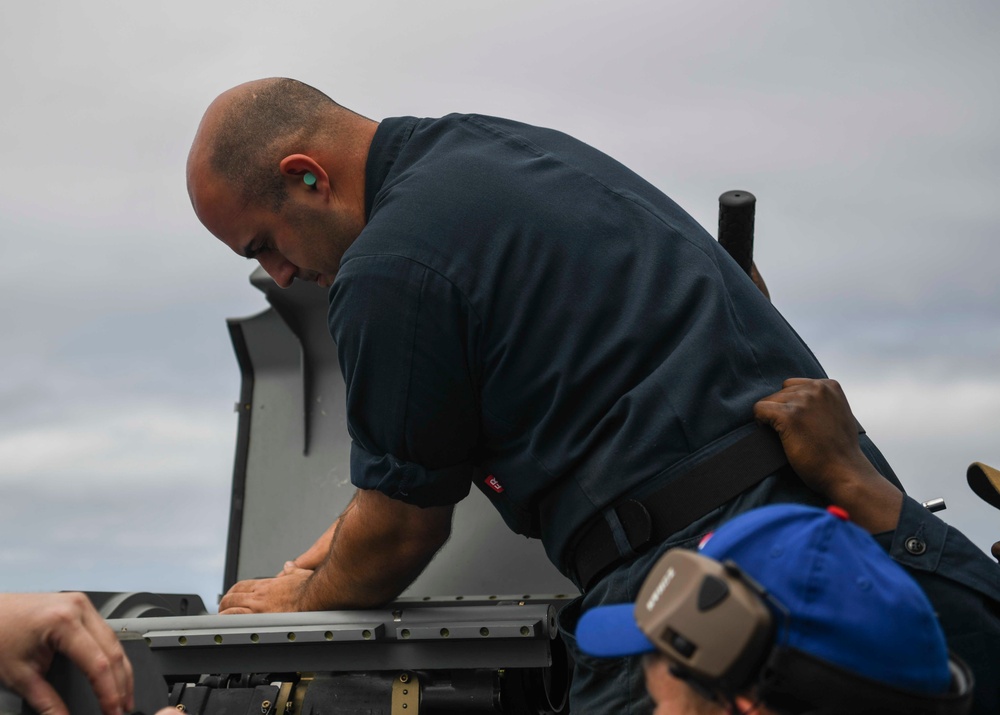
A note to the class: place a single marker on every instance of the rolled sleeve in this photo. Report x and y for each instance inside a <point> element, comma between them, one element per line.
<point>923,542</point>
<point>403,336</point>
<point>407,481</point>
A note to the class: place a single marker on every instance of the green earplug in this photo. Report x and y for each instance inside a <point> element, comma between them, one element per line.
<point>309,179</point>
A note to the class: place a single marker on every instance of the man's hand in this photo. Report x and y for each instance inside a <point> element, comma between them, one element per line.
<point>820,436</point>
<point>283,593</point>
<point>758,280</point>
<point>817,430</point>
<point>36,626</point>
<point>374,550</point>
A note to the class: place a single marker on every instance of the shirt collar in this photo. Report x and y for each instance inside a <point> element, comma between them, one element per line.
<point>391,135</point>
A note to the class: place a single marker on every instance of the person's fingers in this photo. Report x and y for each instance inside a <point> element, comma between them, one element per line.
<point>239,596</point>
<point>40,695</point>
<point>772,411</point>
<point>245,586</point>
<point>793,390</point>
<point>234,611</point>
<point>80,646</point>
<point>115,653</point>
<point>797,382</point>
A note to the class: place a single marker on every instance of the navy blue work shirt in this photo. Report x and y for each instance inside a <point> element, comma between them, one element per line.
<point>525,314</point>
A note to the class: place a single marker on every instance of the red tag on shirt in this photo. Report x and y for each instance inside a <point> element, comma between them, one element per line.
<point>704,539</point>
<point>493,484</point>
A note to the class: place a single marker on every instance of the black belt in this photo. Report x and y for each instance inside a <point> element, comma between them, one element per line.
<point>650,519</point>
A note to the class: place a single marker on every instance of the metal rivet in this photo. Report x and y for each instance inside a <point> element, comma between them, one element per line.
<point>254,638</point>
<point>328,635</point>
<point>265,706</point>
<point>484,631</point>
<point>291,636</point>
<point>525,630</point>
<point>404,678</point>
<point>366,634</point>
<point>405,633</point>
<point>218,639</point>
<point>445,633</point>
<point>182,640</point>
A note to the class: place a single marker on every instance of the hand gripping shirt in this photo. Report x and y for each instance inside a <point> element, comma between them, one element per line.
<point>525,314</point>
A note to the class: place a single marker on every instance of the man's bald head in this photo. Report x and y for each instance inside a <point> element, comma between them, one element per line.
<point>248,129</point>
<point>255,146</point>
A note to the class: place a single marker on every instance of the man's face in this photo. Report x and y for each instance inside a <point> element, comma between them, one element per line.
<point>671,695</point>
<point>305,239</point>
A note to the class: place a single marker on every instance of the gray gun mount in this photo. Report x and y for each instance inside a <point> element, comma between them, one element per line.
<point>463,656</point>
<point>438,649</point>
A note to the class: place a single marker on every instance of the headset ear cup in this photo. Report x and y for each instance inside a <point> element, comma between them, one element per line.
<point>706,618</point>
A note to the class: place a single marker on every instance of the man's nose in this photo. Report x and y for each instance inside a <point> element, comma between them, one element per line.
<point>283,272</point>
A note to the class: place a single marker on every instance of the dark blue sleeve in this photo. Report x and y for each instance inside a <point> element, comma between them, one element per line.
<point>924,543</point>
<point>403,337</point>
<point>962,583</point>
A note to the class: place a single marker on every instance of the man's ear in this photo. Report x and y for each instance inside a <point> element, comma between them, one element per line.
<point>298,165</point>
<point>746,705</point>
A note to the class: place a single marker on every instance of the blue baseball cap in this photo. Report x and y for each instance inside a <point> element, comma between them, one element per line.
<point>845,601</point>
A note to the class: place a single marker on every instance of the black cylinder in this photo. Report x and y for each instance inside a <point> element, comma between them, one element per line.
<point>736,214</point>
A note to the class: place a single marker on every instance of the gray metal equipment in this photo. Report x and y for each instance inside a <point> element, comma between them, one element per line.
<point>476,632</point>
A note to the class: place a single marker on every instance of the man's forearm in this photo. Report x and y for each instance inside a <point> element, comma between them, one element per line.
<point>379,547</point>
<point>316,554</point>
<point>872,501</point>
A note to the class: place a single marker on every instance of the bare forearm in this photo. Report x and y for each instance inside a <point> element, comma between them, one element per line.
<point>378,546</point>
<point>378,549</point>
<point>363,572</point>
<point>316,554</point>
<point>872,501</point>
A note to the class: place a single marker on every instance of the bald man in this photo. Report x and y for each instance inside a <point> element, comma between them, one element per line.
<point>514,310</point>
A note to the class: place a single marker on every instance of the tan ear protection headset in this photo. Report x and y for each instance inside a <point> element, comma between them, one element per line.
<point>717,627</point>
<point>709,618</point>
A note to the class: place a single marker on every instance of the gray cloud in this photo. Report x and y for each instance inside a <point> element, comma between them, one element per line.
<point>867,132</point>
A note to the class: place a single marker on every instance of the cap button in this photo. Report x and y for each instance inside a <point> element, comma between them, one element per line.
<point>839,512</point>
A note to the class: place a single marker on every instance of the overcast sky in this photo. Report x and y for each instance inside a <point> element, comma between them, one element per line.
<point>868,132</point>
